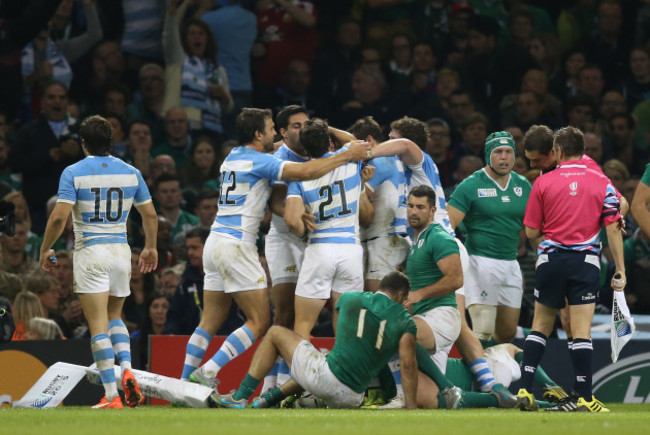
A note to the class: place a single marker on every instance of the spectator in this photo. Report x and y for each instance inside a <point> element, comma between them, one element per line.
<point>447,81</point>
<point>69,304</point>
<point>423,81</point>
<point>138,145</point>
<point>581,112</point>
<point>520,25</point>
<point>438,147</point>
<point>453,48</point>
<point>141,39</point>
<point>518,136</point>
<point>622,128</point>
<point>167,192</point>
<point>194,78</point>
<point>166,257</point>
<point>115,101</point>
<point>467,165</point>
<point>118,137</point>
<point>142,287</point>
<point>594,147</point>
<point>474,130</point>
<point>234,29</point>
<point>591,82</point>
<point>566,85</point>
<point>612,103</point>
<point>169,281</point>
<point>151,84</point>
<point>178,138</point>
<point>46,288</point>
<point>636,88</point>
<point>107,69</point>
<point>10,285</point>
<point>14,257</point>
<point>545,49</point>
<point>43,329</point>
<point>21,210</point>
<point>430,20</point>
<point>42,149</point>
<point>207,205</point>
<point>576,21</point>
<point>295,89</point>
<point>617,173</point>
<point>461,105</point>
<point>203,165</point>
<point>286,31</point>
<point>153,324</point>
<point>530,109</point>
<point>161,164</point>
<point>26,306</point>
<point>401,61</point>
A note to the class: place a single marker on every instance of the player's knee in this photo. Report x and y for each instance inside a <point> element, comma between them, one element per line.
<point>483,320</point>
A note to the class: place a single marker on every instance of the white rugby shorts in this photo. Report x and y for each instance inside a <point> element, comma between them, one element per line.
<point>284,254</point>
<point>464,263</point>
<point>493,282</point>
<point>385,254</point>
<point>444,322</point>
<point>330,267</point>
<point>231,265</point>
<point>104,267</point>
<point>309,368</point>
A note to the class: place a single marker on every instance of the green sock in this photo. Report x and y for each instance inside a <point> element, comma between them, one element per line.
<point>274,396</point>
<point>488,343</point>
<point>247,388</point>
<point>526,331</point>
<point>387,382</point>
<point>429,368</point>
<point>544,404</point>
<point>541,378</point>
<point>479,400</point>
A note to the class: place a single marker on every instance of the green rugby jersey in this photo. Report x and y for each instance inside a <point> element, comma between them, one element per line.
<point>646,176</point>
<point>459,374</point>
<point>493,216</point>
<point>369,328</point>
<point>432,245</point>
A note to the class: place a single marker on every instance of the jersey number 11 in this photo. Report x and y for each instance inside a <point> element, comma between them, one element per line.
<point>362,324</point>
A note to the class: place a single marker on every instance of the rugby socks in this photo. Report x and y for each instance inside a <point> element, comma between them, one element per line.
<point>429,368</point>
<point>569,343</point>
<point>274,396</point>
<point>236,344</point>
<point>270,380</point>
<point>394,366</point>
<point>387,383</point>
<point>581,352</point>
<point>488,343</point>
<point>121,343</point>
<point>534,347</point>
<point>194,351</point>
<point>482,374</point>
<point>541,378</point>
<point>246,388</point>
<point>284,373</point>
<point>104,358</point>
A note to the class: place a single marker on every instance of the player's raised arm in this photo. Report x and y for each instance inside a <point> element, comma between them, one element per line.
<point>149,256</point>
<point>357,150</point>
<point>405,149</point>
<point>409,370</point>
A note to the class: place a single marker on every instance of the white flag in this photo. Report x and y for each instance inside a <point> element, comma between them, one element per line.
<point>622,324</point>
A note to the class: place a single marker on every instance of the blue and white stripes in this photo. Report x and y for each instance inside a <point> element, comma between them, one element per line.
<point>104,358</point>
<point>482,374</point>
<point>195,350</point>
<point>236,344</point>
<point>119,335</point>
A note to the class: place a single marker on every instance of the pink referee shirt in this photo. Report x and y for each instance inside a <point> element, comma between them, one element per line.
<point>569,205</point>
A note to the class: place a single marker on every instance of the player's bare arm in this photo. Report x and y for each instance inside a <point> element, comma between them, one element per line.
<point>455,216</point>
<point>534,236</point>
<point>615,241</point>
<point>341,135</point>
<point>278,195</point>
<point>148,260</point>
<point>405,149</point>
<point>409,370</point>
<point>53,230</point>
<point>366,208</point>
<point>357,150</point>
<point>293,212</point>
<point>640,207</point>
<point>451,280</point>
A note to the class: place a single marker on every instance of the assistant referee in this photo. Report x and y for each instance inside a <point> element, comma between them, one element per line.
<point>567,207</point>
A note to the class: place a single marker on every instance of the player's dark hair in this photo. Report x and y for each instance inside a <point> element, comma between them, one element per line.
<point>249,121</point>
<point>412,129</point>
<point>199,232</point>
<point>282,118</point>
<point>314,137</point>
<point>367,126</point>
<point>570,140</point>
<point>96,135</point>
<point>164,178</point>
<point>395,282</point>
<point>424,191</point>
<point>539,138</point>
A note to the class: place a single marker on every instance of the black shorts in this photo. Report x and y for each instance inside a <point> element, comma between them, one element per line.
<point>567,274</point>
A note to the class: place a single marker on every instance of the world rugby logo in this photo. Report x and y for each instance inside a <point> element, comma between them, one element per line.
<point>41,401</point>
<point>623,328</point>
<point>574,187</point>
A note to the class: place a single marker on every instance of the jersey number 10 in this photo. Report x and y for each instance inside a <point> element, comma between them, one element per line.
<point>109,216</point>
<point>362,324</point>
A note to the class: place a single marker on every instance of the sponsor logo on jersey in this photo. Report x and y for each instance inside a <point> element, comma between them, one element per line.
<point>505,199</point>
<point>487,193</point>
<point>518,191</point>
<point>627,381</point>
<point>581,378</point>
<point>574,187</point>
<point>589,296</point>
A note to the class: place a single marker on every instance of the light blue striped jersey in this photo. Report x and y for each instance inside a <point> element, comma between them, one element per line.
<point>278,225</point>
<point>389,197</point>
<point>143,23</point>
<point>334,200</point>
<point>102,189</point>
<point>426,173</point>
<point>246,176</point>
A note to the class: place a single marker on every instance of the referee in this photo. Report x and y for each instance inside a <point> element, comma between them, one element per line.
<point>567,207</point>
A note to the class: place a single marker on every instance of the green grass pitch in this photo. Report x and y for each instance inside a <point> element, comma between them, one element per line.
<point>158,420</point>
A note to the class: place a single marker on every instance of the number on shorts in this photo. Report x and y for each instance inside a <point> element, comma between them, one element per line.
<point>362,323</point>
<point>230,177</point>
<point>326,192</point>
<point>108,215</point>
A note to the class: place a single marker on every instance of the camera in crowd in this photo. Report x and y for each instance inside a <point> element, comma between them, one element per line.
<point>7,218</point>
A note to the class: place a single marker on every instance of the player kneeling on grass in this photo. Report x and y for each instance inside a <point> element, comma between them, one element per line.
<point>372,327</point>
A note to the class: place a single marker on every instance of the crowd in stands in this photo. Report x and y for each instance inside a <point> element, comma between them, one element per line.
<point>171,76</point>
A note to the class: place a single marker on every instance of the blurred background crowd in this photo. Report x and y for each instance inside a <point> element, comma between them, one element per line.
<point>171,76</point>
